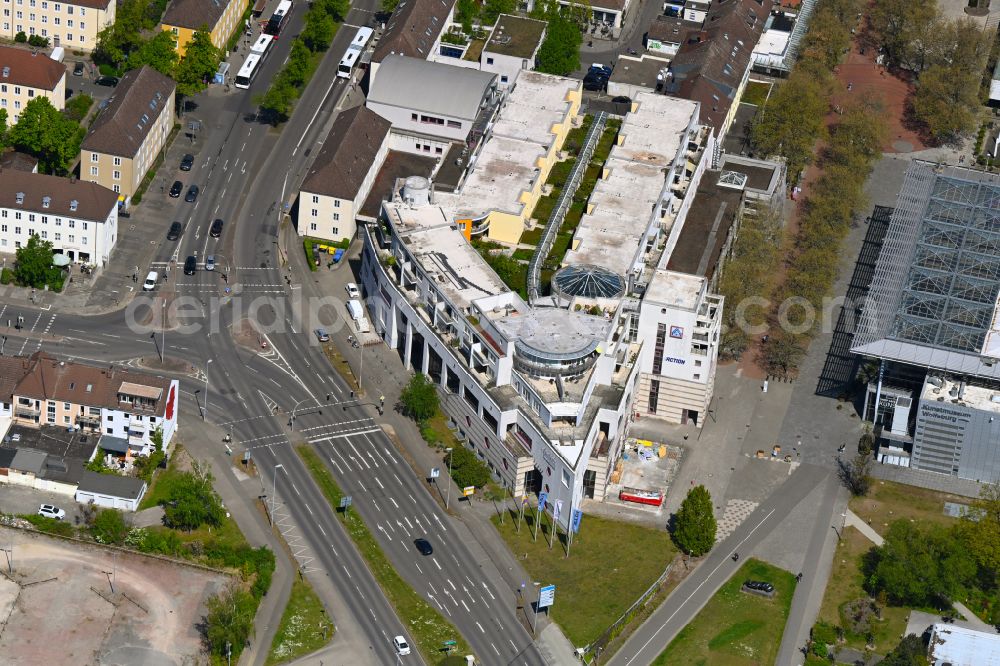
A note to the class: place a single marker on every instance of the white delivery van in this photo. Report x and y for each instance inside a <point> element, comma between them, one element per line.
<point>150,282</point>
<point>355,310</point>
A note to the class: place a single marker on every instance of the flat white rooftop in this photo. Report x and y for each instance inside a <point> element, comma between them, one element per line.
<point>678,290</point>
<point>958,646</point>
<point>772,43</point>
<point>445,256</point>
<point>975,397</point>
<point>536,103</point>
<point>555,331</point>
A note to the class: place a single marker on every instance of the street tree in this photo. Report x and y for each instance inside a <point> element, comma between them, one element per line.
<point>946,100</point>
<point>229,619</point>
<point>336,9</point>
<point>695,526</point>
<point>466,468</point>
<point>191,501</point>
<point>276,103</point>
<point>33,263</point>
<point>909,652</point>
<point>492,9</point>
<point>43,131</point>
<point>318,31</point>
<point>158,52</point>
<point>201,59</point>
<point>389,6</point>
<point>117,41</point>
<point>560,50</point>
<point>791,121</point>
<point>981,527</point>
<point>420,398</point>
<point>898,24</point>
<point>855,474</point>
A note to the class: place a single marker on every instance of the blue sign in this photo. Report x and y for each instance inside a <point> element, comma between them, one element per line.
<point>546,596</point>
<point>577,517</point>
<point>677,332</point>
<point>541,501</point>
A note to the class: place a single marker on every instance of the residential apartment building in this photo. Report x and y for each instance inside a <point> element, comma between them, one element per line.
<point>111,401</point>
<point>342,175</point>
<point>79,218</point>
<point>25,75</point>
<point>185,17</point>
<point>72,25</point>
<point>127,135</point>
<point>414,30</point>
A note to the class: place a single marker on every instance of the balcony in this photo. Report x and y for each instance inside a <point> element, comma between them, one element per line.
<point>26,412</point>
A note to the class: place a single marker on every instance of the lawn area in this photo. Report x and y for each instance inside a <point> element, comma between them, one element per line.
<point>436,433</point>
<point>845,586</point>
<point>427,626</point>
<point>890,501</point>
<point>611,564</point>
<point>523,254</point>
<point>534,236</point>
<point>736,628</point>
<point>756,92</point>
<point>304,626</point>
<point>163,482</point>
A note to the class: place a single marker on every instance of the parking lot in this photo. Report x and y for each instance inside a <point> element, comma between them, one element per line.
<point>18,500</point>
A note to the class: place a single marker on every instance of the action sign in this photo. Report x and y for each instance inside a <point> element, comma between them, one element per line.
<point>435,472</point>
<point>577,517</point>
<point>546,596</point>
<point>469,491</point>
<point>541,500</point>
<point>345,501</point>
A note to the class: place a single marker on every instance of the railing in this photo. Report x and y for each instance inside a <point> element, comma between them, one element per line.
<point>563,204</point>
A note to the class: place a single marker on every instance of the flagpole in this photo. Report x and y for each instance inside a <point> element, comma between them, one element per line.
<point>535,537</point>
<point>520,515</point>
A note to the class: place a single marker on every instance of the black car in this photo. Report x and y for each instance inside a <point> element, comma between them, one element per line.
<point>109,81</point>
<point>595,81</point>
<point>175,189</point>
<point>175,231</point>
<point>190,265</point>
<point>216,229</point>
<point>192,194</point>
<point>424,546</point>
<point>187,162</point>
<point>600,69</point>
<point>758,585</point>
<point>78,69</point>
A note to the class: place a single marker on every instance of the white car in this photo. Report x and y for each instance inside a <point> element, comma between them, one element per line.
<point>50,511</point>
<point>402,647</point>
<point>352,290</point>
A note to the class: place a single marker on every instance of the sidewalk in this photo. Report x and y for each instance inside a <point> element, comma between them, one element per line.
<point>385,376</point>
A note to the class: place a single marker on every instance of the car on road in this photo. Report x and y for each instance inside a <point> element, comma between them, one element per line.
<point>595,81</point>
<point>176,229</point>
<point>187,162</point>
<point>150,282</point>
<point>216,229</point>
<point>176,188</point>
<point>423,546</point>
<point>51,511</point>
<point>192,194</point>
<point>352,290</point>
<point>109,81</point>
<point>78,69</point>
<point>599,69</point>
<point>322,335</point>
<point>210,262</point>
<point>759,586</point>
<point>190,265</point>
<point>402,647</point>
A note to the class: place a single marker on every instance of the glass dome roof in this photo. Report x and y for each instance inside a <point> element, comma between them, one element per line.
<point>588,282</point>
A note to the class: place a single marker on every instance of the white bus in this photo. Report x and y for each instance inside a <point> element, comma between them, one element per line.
<point>248,71</point>
<point>262,45</point>
<point>354,51</point>
<point>278,19</point>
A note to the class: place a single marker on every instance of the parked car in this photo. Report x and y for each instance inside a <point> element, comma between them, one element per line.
<point>216,229</point>
<point>322,335</point>
<point>78,69</point>
<point>599,68</point>
<point>109,81</point>
<point>352,290</point>
<point>187,162</point>
<point>759,585</point>
<point>50,511</point>
<point>190,265</point>
<point>595,81</point>
<point>176,229</point>
<point>402,647</point>
<point>192,194</point>
<point>424,546</point>
<point>176,189</point>
<point>151,280</point>
<point>210,262</point>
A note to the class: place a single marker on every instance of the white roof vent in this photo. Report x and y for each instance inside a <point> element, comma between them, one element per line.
<point>46,201</point>
<point>20,197</point>
<point>6,72</point>
<point>73,204</point>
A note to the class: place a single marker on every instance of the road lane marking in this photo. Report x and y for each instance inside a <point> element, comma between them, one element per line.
<point>467,609</point>
<point>296,490</point>
<point>308,509</point>
<point>434,560</point>
<point>495,649</point>
<point>394,504</point>
<point>480,627</point>
<point>379,483</point>
<point>346,571</point>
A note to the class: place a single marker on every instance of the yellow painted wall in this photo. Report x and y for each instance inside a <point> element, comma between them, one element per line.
<point>505,228</point>
<point>221,31</point>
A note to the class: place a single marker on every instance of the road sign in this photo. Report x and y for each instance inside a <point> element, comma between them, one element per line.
<point>468,491</point>
<point>435,472</point>
<point>541,500</point>
<point>577,517</point>
<point>451,642</point>
<point>546,596</point>
<point>345,501</point>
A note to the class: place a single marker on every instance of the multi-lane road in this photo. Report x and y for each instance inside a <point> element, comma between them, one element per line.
<point>246,172</point>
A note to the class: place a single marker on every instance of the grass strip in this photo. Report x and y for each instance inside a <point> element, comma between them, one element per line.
<point>305,626</point>
<point>427,626</point>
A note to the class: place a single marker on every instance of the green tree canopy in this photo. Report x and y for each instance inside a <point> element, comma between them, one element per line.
<point>229,619</point>
<point>33,263</point>
<point>192,502</point>
<point>43,131</point>
<point>466,468</point>
<point>420,398</point>
<point>276,103</point>
<point>494,8</point>
<point>318,31</point>
<point>560,50</point>
<point>110,527</point>
<point>946,101</point>
<point>909,652</point>
<point>695,526</point>
<point>116,42</point>
<point>981,528</point>
<point>4,130</point>
<point>158,52</point>
<point>199,63</point>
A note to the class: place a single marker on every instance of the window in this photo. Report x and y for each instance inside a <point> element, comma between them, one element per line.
<point>72,207</point>
<point>503,78</point>
<point>45,234</point>
<point>489,61</point>
<point>83,240</point>
<point>72,224</point>
<point>336,231</point>
<point>117,175</point>
<point>315,198</point>
<point>118,161</point>
<point>697,376</point>
<point>31,93</point>
<point>93,157</point>
<point>31,217</point>
<point>438,150</point>
<point>336,203</point>
<point>312,227</point>
<point>93,171</point>
<point>58,236</point>
<point>565,478</point>
<point>116,187</point>
<point>455,124</point>
<point>72,239</point>
<point>315,212</point>
<point>336,217</point>
<point>17,90</point>
<point>413,116</point>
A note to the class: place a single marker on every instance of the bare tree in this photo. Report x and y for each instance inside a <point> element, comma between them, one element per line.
<point>855,474</point>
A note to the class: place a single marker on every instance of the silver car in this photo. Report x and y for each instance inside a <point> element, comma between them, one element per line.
<point>210,262</point>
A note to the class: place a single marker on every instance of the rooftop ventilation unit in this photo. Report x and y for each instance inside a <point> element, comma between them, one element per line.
<point>74,204</point>
<point>20,197</point>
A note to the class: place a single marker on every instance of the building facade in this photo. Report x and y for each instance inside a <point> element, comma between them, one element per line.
<point>185,17</point>
<point>72,25</point>
<point>414,30</point>
<point>26,75</point>
<point>79,218</point>
<point>126,136</point>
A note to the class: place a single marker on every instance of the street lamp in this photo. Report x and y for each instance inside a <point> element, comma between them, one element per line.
<point>274,491</point>
<point>204,413</point>
<point>447,497</point>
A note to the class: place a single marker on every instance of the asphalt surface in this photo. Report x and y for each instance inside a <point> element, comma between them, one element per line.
<point>246,171</point>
